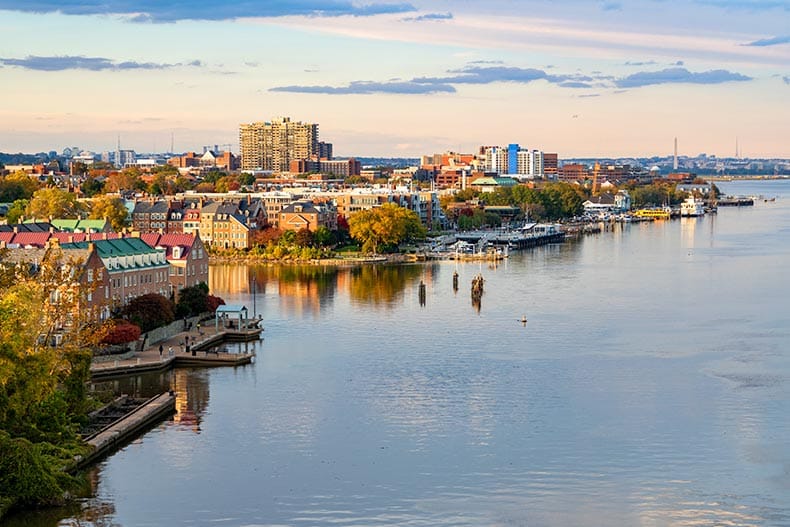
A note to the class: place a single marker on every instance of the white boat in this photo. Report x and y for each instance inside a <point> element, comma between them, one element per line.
<point>692,207</point>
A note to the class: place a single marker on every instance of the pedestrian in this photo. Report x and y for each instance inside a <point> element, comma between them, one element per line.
<point>161,349</point>
<point>170,351</point>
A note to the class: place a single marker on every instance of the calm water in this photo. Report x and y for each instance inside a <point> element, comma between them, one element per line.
<point>650,386</point>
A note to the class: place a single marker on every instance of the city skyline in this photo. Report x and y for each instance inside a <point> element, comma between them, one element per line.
<point>402,79</point>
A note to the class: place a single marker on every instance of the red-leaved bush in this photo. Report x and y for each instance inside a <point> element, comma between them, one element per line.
<point>122,332</point>
<point>213,302</point>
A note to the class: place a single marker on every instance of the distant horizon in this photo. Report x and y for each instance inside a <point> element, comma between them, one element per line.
<point>580,78</point>
<point>59,151</point>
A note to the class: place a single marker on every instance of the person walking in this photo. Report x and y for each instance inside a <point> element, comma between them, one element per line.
<point>170,351</point>
<point>161,349</point>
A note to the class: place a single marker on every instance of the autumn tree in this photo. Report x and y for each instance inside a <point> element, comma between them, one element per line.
<point>45,354</point>
<point>110,208</point>
<point>55,203</point>
<point>127,179</point>
<point>149,311</point>
<point>17,186</point>
<point>384,226</point>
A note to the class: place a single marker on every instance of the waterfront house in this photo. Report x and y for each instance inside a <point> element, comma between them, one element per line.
<point>186,256</point>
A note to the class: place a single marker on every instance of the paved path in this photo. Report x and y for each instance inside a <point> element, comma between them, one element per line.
<point>150,354</point>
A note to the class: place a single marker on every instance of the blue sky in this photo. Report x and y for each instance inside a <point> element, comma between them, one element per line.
<point>578,77</point>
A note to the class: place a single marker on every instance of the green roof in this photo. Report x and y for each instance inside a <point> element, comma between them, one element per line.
<point>117,247</point>
<point>81,225</point>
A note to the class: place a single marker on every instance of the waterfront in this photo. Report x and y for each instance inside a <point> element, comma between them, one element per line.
<point>650,385</point>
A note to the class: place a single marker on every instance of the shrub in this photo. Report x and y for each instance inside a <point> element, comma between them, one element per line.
<point>122,332</point>
<point>213,302</point>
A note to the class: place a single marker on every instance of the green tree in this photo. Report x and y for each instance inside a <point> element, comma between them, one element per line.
<point>323,237</point>
<point>110,208</point>
<point>55,203</point>
<point>17,210</point>
<point>384,226</point>
<point>192,300</point>
<point>91,187</point>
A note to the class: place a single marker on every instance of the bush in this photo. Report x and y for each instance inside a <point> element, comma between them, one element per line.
<point>122,332</point>
<point>213,302</point>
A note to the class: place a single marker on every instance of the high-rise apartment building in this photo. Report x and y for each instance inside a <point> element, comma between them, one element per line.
<point>271,146</point>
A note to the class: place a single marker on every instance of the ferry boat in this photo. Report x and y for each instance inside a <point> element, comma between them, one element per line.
<point>656,214</point>
<point>692,207</point>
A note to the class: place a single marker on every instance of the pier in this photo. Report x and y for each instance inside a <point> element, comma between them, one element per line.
<point>200,345</point>
<point>120,432</point>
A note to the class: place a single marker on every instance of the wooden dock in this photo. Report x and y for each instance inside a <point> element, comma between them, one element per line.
<point>120,432</point>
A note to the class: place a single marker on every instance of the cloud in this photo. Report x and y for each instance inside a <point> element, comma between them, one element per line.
<point>749,5</point>
<point>611,6</point>
<point>589,95</point>
<point>679,75</point>
<point>774,41</point>
<point>63,63</point>
<point>479,75</point>
<point>643,63</point>
<point>366,88</point>
<point>429,16</point>
<point>678,63</point>
<point>169,11</point>
<point>786,79</point>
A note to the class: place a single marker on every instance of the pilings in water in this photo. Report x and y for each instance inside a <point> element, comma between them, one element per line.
<point>422,293</point>
<point>455,281</point>
<point>477,291</point>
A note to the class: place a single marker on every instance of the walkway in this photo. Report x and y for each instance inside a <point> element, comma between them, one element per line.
<point>174,352</point>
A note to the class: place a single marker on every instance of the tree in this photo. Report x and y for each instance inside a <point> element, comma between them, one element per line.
<point>192,300</point>
<point>127,179</point>
<point>55,203</point>
<point>112,209</point>
<point>91,187</point>
<point>387,225</point>
<point>17,186</point>
<point>17,210</point>
<point>43,395</point>
<point>323,237</point>
<point>149,311</point>
<point>304,238</point>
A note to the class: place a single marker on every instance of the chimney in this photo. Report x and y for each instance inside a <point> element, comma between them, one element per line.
<point>71,238</point>
<point>104,236</point>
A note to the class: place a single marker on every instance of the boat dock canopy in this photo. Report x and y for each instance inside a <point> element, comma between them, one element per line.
<point>227,313</point>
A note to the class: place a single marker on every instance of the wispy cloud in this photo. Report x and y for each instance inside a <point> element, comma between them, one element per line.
<point>642,63</point>
<point>786,79</point>
<point>429,16</point>
<point>773,41</point>
<point>679,76</point>
<point>366,88</point>
<point>749,5</point>
<point>33,62</point>
<point>168,11</point>
<point>611,6</point>
<point>477,75</point>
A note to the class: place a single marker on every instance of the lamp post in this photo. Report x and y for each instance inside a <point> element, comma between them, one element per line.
<point>254,313</point>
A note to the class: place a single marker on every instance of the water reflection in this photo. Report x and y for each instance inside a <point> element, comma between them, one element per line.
<point>382,285</point>
<point>192,397</point>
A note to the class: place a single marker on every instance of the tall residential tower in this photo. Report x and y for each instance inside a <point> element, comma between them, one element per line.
<point>272,146</point>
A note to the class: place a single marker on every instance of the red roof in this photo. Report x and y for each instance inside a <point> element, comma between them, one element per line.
<point>35,239</point>
<point>168,241</point>
<point>6,237</point>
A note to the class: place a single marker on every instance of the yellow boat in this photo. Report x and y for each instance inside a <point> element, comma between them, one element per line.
<point>657,214</point>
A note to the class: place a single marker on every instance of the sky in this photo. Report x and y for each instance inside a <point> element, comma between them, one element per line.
<point>583,78</point>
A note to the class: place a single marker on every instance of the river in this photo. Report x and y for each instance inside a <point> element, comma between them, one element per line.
<point>650,385</point>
